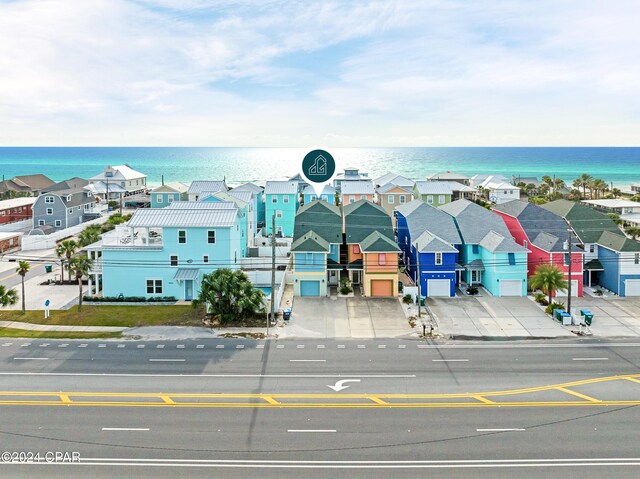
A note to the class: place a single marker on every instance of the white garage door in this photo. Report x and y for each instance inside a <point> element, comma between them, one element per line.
<point>574,290</point>
<point>438,287</point>
<point>511,287</point>
<point>632,287</point>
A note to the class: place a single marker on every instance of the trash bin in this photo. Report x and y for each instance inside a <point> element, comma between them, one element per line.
<point>557,313</point>
<point>286,314</point>
<point>566,319</point>
<point>48,268</point>
<point>588,318</point>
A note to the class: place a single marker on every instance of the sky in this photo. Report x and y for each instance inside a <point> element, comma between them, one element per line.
<point>305,73</point>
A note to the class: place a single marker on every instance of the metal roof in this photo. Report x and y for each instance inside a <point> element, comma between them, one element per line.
<point>201,205</point>
<point>183,274</point>
<point>391,186</point>
<point>199,186</point>
<point>433,188</point>
<point>119,172</point>
<point>447,175</point>
<point>327,190</point>
<point>249,187</point>
<point>281,188</point>
<point>103,187</point>
<point>17,202</point>
<point>358,187</point>
<point>393,178</point>
<point>172,187</point>
<point>176,217</point>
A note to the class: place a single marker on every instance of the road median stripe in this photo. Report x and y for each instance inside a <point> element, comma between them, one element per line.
<point>577,394</point>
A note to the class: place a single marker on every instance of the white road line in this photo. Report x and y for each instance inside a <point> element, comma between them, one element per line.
<point>259,346</point>
<point>199,346</point>
<point>160,346</point>
<point>590,359</point>
<point>361,346</point>
<point>180,346</point>
<point>63,345</point>
<point>44,345</point>
<point>281,376</point>
<point>83,345</point>
<point>239,346</point>
<point>102,345</point>
<point>125,428</point>
<point>424,346</point>
<point>312,430</point>
<point>219,346</point>
<point>449,360</point>
<point>140,346</point>
<point>382,346</point>
<point>402,346</point>
<point>7,344</point>
<point>121,346</point>
<point>25,345</point>
<point>300,346</point>
<point>307,360</point>
<point>341,346</point>
<point>168,360</point>
<point>501,430</point>
<point>37,359</point>
<point>320,346</point>
<point>280,346</point>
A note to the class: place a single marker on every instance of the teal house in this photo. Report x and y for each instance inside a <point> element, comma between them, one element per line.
<point>168,193</point>
<point>281,200</point>
<point>244,214</point>
<point>166,251</point>
<point>489,255</point>
<point>257,199</point>
<point>316,248</point>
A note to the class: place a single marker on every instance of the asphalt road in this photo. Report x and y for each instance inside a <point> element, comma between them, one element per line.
<point>11,279</point>
<point>236,407</point>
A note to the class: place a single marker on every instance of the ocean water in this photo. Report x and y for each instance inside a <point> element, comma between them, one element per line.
<point>620,166</point>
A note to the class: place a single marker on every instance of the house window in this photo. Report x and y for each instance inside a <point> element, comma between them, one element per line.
<point>279,230</point>
<point>363,197</point>
<point>182,237</point>
<point>154,286</point>
<point>352,199</point>
<point>592,248</point>
<point>525,243</point>
<point>274,199</point>
<point>58,223</point>
<point>211,237</point>
<point>70,211</point>
<point>566,259</point>
<point>173,260</point>
<point>49,211</point>
<point>160,199</point>
<point>636,258</point>
<point>475,276</point>
<point>403,199</point>
<point>512,259</point>
<point>235,256</point>
<point>391,199</point>
<point>285,199</point>
<point>510,192</point>
<point>309,259</point>
<point>205,259</point>
<point>68,197</point>
<point>314,197</point>
<point>356,249</point>
<point>278,213</point>
<point>382,258</point>
<point>170,198</point>
<point>48,199</point>
<point>429,199</point>
<point>438,258</point>
<point>441,199</point>
<point>475,249</point>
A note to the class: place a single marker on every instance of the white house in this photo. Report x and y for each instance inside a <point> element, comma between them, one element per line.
<point>118,178</point>
<point>498,191</point>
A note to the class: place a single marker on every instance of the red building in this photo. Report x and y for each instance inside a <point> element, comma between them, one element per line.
<point>16,209</point>
<point>546,235</point>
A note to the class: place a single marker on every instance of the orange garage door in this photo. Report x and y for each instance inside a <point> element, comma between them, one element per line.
<point>380,287</point>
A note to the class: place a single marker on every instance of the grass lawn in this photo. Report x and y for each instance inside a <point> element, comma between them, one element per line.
<point>126,316</point>
<point>21,333</point>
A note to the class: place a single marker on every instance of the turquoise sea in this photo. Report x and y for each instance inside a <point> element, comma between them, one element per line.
<point>620,166</point>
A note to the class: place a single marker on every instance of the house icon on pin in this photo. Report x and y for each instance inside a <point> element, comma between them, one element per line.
<point>319,166</point>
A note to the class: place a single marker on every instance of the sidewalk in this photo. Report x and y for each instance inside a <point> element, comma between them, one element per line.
<point>52,327</point>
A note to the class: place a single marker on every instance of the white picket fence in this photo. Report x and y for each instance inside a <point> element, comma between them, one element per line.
<point>37,242</point>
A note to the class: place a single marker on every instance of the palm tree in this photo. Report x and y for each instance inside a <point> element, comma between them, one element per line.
<point>548,278</point>
<point>65,250</point>
<point>22,269</point>
<point>633,231</point>
<point>583,181</point>
<point>7,296</point>
<point>229,294</point>
<point>615,217</point>
<point>558,184</point>
<point>89,235</point>
<point>80,266</point>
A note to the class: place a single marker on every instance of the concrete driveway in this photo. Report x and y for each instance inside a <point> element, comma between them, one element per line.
<point>612,317</point>
<point>494,317</point>
<point>332,317</point>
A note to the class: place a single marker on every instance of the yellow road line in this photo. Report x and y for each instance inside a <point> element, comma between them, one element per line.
<point>379,401</point>
<point>629,378</point>
<point>65,399</point>
<point>577,394</point>
<point>271,401</point>
<point>167,399</point>
<point>483,400</point>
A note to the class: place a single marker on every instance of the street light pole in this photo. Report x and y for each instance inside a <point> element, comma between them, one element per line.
<point>570,240</point>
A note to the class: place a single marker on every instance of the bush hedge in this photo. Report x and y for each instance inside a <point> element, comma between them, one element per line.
<point>129,299</point>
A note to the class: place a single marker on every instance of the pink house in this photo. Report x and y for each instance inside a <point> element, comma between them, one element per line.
<point>546,235</point>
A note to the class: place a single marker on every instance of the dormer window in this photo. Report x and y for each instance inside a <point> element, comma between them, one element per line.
<point>68,197</point>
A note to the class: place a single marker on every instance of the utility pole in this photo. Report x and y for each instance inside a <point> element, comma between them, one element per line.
<point>570,261</point>
<point>273,270</point>
<point>419,276</point>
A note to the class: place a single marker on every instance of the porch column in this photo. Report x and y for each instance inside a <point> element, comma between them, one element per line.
<point>90,285</point>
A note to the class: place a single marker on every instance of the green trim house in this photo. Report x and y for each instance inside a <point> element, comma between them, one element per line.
<point>166,194</point>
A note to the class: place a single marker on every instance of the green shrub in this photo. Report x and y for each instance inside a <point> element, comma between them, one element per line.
<point>552,307</point>
<point>472,290</point>
<point>407,299</point>
<point>541,298</point>
<point>129,299</point>
<point>344,289</point>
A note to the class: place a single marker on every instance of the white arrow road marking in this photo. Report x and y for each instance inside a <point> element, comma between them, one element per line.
<point>340,385</point>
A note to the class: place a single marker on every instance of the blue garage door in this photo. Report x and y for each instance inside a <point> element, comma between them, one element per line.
<point>309,288</point>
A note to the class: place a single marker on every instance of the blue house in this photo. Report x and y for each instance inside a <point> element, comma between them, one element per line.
<point>281,201</point>
<point>327,194</point>
<point>166,251</point>
<point>166,194</point>
<point>316,248</point>
<point>489,254</point>
<point>257,199</point>
<point>430,243</point>
<point>244,215</point>
<point>621,257</point>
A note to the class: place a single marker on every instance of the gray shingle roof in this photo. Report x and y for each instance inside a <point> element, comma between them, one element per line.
<point>407,208</point>
<point>281,188</point>
<point>175,217</point>
<point>545,229</point>
<point>390,186</point>
<point>323,218</point>
<point>249,187</point>
<point>427,242</point>
<point>395,179</point>
<point>362,218</point>
<point>199,186</point>
<point>496,243</point>
<point>475,221</point>
<point>427,218</point>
